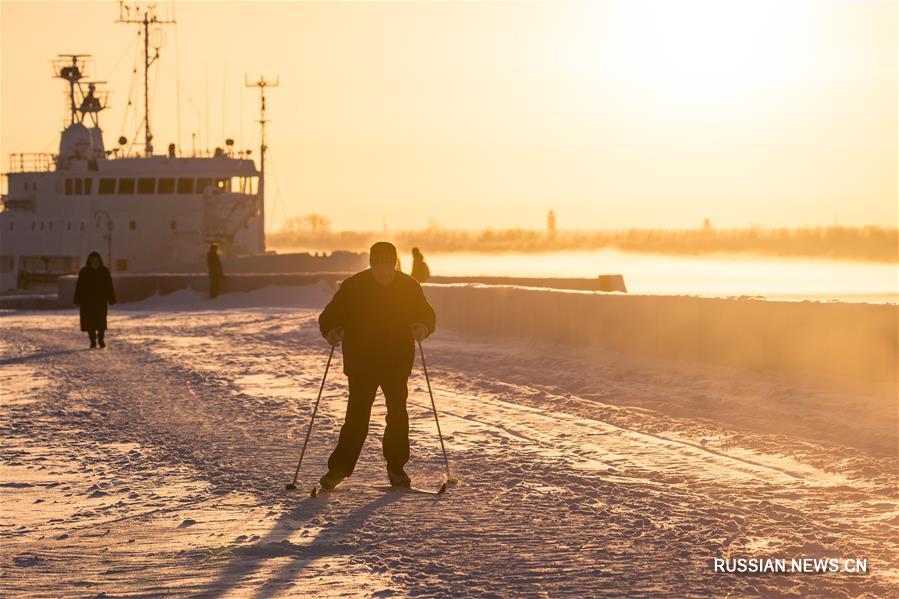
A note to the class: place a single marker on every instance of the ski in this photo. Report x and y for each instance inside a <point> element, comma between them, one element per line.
<point>318,490</point>
<point>440,491</point>
<point>412,489</point>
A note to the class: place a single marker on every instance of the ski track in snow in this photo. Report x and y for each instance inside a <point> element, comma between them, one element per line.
<point>157,467</point>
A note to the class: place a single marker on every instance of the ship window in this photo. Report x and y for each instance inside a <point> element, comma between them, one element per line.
<point>252,184</point>
<point>166,185</point>
<point>79,189</point>
<point>146,185</point>
<point>132,225</point>
<point>202,184</point>
<point>173,225</point>
<point>88,183</point>
<point>126,186</point>
<point>107,186</point>
<point>68,187</point>
<point>223,184</point>
<point>185,185</point>
<point>12,225</point>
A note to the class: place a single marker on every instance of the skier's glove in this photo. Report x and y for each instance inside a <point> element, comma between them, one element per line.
<point>419,331</point>
<point>334,336</point>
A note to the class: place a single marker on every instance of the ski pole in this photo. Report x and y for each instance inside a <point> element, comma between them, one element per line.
<point>293,485</point>
<point>424,364</point>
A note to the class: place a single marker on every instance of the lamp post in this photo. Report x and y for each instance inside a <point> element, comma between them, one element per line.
<point>108,236</point>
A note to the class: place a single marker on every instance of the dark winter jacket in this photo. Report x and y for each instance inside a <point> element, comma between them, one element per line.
<point>377,322</point>
<point>214,265</point>
<point>420,270</point>
<point>93,291</point>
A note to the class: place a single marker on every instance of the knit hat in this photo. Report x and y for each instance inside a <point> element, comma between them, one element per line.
<point>382,252</point>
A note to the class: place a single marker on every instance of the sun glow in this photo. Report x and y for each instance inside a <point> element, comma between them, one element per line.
<point>697,56</point>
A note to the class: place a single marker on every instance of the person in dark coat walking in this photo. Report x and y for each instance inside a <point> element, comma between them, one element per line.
<point>93,291</point>
<point>214,266</point>
<point>420,270</point>
<point>377,315</point>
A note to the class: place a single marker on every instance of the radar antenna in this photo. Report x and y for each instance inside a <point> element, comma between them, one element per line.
<point>262,84</point>
<point>73,69</point>
<point>133,13</point>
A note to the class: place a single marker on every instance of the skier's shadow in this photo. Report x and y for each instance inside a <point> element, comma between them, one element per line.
<point>325,544</point>
<point>39,355</point>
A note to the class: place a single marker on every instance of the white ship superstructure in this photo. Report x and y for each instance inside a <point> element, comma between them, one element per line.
<point>142,212</point>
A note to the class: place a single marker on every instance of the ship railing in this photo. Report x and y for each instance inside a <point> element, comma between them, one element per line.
<point>31,162</point>
<point>192,153</point>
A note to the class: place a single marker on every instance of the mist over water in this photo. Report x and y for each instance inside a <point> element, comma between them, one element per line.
<point>716,275</point>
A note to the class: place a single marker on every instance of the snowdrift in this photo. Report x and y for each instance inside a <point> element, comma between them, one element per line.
<point>830,339</point>
<point>141,286</point>
<point>306,296</point>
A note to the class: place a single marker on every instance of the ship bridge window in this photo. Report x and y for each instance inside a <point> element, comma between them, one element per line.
<point>126,186</point>
<point>166,185</point>
<point>68,187</point>
<point>185,185</point>
<point>244,185</point>
<point>88,184</point>
<point>223,184</point>
<point>79,187</point>
<point>107,186</point>
<point>146,185</point>
<point>202,184</point>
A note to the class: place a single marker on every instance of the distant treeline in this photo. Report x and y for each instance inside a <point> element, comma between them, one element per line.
<point>871,244</point>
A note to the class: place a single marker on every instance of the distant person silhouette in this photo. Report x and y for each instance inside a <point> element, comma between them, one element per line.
<point>420,270</point>
<point>214,266</point>
<point>93,291</point>
<point>377,315</point>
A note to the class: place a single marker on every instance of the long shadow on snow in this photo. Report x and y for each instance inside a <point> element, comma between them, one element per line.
<point>250,558</point>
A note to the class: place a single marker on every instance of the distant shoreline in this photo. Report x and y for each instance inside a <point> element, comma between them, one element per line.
<point>862,244</point>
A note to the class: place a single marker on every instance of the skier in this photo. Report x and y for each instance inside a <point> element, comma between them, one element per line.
<point>93,291</point>
<point>420,270</point>
<point>376,315</point>
<point>214,266</point>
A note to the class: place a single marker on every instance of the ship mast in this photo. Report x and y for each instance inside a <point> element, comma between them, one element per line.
<point>145,17</point>
<point>262,84</point>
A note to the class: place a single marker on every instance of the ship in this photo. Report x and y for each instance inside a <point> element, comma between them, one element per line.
<point>143,211</point>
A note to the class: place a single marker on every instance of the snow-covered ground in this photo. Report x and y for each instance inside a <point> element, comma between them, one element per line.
<point>158,467</point>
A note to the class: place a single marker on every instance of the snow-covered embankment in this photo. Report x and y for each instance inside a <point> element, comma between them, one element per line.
<point>787,338</point>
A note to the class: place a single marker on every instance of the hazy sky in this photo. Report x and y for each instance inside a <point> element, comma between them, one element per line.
<point>488,114</point>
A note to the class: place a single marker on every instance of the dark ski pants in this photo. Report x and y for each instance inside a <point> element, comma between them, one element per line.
<point>363,388</point>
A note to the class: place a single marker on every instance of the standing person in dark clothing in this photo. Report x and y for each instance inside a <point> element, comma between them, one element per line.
<point>420,270</point>
<point>377,315</point>
<point>93,291</point>
<point>214,266</point>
